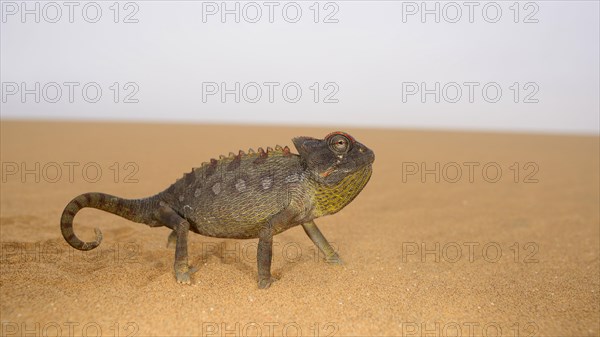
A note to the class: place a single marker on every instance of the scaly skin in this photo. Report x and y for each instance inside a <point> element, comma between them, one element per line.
<point>246,196</point>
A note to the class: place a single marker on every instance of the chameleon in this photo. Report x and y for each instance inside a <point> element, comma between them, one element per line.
<point>253,195</point>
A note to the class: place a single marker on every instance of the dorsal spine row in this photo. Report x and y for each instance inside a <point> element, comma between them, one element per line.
<point>235,160</point>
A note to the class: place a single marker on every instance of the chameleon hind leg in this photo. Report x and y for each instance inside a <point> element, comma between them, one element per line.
<point>172,239</point>
<point>313,232</point>
<point>180,227</point>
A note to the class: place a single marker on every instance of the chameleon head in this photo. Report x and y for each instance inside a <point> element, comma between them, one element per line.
<point>334,158</point>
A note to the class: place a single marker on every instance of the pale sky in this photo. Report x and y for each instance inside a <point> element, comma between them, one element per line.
<point>373,63</point>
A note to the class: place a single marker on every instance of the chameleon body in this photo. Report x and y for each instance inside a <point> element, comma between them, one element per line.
<point>246,196</point>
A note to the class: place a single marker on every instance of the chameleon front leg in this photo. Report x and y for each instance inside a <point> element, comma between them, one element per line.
<point>180,226</point>
<point>265,247</point>
<point>264,256</point>
<point>313,232</point>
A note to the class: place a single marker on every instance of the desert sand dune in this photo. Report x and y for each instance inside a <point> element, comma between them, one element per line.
<point>514,253</point>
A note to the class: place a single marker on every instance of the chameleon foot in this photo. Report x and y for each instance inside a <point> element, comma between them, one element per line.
<point>265,282</point>
<point>334,260</point>
<point>183,277</point>
<point>183,274</point>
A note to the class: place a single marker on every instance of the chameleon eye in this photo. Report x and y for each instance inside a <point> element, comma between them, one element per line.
<point>339,144</point>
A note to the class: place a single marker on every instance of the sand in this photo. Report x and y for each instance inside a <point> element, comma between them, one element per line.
<point>421,257</point>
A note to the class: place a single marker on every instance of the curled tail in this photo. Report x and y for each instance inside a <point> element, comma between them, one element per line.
<point>138,210</point>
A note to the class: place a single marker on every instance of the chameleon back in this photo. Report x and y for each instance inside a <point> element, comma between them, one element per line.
<point>234,196</point>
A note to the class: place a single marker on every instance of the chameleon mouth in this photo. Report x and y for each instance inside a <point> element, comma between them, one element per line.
<point>336,167</point>
<point>329,171</point>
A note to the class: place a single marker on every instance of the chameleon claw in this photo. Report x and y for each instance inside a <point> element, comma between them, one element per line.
<point>334,260</point>
<point>183,274</point>
<point>265,283</point>
<point>183,277</point>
